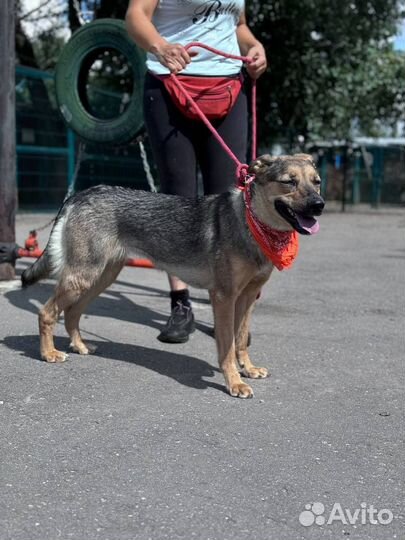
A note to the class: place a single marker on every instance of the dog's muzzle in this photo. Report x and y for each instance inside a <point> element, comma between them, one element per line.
<point>302,220</point>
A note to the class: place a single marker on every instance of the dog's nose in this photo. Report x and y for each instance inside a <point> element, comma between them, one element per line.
<point>316,206</point>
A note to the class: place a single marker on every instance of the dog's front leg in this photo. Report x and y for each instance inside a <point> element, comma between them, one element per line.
<point>224,319</point>
<point>243,312</point>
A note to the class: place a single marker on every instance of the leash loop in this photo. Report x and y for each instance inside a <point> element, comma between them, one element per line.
<point>243,177</point>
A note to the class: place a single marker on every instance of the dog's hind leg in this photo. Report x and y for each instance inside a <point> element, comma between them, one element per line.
<point>72,318</point>
<point>75,310</point>
<point>66,294</point>
<point>47,319</point>
<point>224,316</point>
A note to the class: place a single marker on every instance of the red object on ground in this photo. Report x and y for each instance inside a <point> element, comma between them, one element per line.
<point>31,242</point>
<point>36,253</point>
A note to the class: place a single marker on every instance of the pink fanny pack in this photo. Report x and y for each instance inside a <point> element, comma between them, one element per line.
<point>214,95</point>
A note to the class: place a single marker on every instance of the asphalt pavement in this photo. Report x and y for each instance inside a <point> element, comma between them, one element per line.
<point>141,440</point>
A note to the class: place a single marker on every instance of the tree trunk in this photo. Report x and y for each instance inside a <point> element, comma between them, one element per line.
<point>8,192</point>
<point>74,22</point>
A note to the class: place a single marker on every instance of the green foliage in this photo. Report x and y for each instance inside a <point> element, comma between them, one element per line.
<point>332,67</point>
<point>47,48</point>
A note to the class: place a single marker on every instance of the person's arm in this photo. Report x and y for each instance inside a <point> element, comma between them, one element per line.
<point>251,47</point>
<point>139,25</point>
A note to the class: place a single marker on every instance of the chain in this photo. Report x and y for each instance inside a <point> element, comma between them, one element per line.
<point>37,229</point>
<point>146,166</point>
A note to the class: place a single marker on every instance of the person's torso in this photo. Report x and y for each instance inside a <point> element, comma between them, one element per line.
<point>212,22</point>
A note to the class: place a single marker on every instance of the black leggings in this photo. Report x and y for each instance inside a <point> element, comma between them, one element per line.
<point>179,143</point>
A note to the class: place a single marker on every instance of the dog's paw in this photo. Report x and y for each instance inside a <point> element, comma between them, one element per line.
<point>241,390</point>
<point>255,372</point>
<point>81,348</point>
<point>54,356</point>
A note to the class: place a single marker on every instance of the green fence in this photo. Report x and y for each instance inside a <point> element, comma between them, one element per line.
<point>362,173</point>
<point>47,150</point>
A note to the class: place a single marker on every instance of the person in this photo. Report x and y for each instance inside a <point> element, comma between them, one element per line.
<point>179,143</point>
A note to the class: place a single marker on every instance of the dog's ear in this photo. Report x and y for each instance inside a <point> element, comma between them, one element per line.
<point>261,163</point>
<point>306,157</point>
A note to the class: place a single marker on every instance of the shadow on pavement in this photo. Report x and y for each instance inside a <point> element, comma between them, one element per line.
<point>184,369</point>
<point>112,303</point>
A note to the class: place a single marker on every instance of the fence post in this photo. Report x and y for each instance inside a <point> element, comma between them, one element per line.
<point>378,174</point>
<point>8,190</point>
<point>345,172</point>
<point>356,179</point>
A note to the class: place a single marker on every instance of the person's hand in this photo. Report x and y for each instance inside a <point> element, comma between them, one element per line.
<point>173,56</point>
<point>259,62</point>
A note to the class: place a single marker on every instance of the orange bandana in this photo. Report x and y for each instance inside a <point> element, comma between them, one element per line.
<point>280,247</point>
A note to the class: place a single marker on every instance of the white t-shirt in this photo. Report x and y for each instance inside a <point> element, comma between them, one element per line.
<point>212,22</point>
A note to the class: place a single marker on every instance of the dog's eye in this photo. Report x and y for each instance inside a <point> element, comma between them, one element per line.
<point>317,181</point>
<point>292,181</point>
<point>288,181</point>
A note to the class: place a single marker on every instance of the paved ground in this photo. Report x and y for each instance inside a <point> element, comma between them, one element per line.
<point>140,441</point>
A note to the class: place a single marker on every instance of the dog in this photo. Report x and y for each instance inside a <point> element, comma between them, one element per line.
<point>206,242</point>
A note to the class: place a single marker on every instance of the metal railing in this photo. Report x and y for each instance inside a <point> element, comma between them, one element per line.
<point>47,150</point>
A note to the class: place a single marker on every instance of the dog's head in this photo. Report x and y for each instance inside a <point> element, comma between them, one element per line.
<point>290,185</point>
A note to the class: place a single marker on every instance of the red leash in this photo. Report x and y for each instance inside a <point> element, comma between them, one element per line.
<point>280,247</point>
<point>241,168</point>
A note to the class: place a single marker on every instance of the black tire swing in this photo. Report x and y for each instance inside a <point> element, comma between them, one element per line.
<point>71,74</point>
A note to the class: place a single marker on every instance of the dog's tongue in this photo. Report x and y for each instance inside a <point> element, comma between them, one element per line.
<point>310,224</point>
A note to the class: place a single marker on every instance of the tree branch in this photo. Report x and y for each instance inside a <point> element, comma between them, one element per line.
<point>29,13</point>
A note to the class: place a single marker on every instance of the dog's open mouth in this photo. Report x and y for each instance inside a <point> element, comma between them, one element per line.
<point>303,224</point>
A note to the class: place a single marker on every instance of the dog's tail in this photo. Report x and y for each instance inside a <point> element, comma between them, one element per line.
<point>39,270</point>
<point>52,259</point>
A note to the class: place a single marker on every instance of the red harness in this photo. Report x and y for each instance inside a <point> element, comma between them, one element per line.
<point>280,247</point>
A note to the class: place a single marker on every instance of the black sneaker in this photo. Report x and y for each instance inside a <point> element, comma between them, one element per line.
<point>179,326</point>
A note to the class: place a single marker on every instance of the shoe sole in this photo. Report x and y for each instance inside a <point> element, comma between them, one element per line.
<point>175,340</point>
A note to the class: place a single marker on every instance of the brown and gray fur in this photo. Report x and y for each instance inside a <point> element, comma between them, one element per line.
<point>205,242</point>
